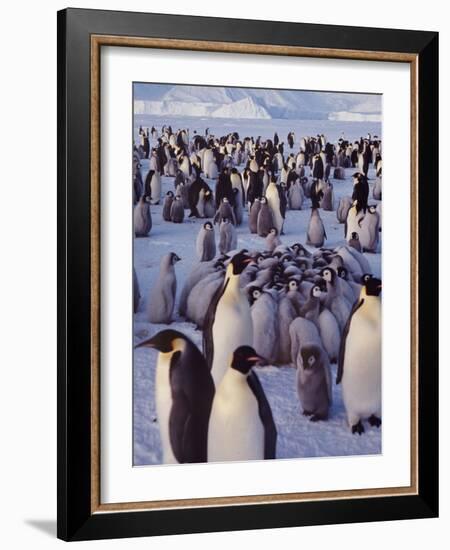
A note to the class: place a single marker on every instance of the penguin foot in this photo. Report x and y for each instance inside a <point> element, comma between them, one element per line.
<point>307,413</point>
<point>358,428</point>
<point>317,417</point>
<point>375,421</point>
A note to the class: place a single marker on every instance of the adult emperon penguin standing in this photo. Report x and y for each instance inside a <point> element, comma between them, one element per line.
<point>228,322</point>
<point>359,366</point>
<point>241,425</point>
<point>184,393</point>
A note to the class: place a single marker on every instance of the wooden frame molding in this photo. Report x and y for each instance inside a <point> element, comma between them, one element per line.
<point>96,42</point>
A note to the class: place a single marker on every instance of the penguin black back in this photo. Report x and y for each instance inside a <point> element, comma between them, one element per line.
<point>192,391</point>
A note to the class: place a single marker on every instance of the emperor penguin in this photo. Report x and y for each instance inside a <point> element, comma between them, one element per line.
<point>354,241</point>
<point>170,168</point>
<point>273,196</point>
<point>253,215</point>
<point>264,309</point>
<point>225,210</point>
<point>241,425</point>
<point>296,196</point>
<point>177,210</point>
<point>238,208</point>
<point>315,235</point>
<point>327,202</point>
<point>182,191</point>
<point>314,382</point>
<point>142,218</point>
<point>286,314</point>
<point>227,236</point>
<point>370,230</point>
<point>209,208</point>
<point>207,157</point>
<point>335,299</point>
<point>168,200</point>
<point>153,184</point>
<point>161,300</point>
<point>184,393</point>
<point>359,366</point>
<point>206,243</point>
<point>272,240</point>
<point>313,387</point>
<point>311,308</point>
<point>355,217</point>
<point>376,192</point>
<point>228,323</point>
<point>330,333</point>
<point>345,203</point>
<point>265,218</point>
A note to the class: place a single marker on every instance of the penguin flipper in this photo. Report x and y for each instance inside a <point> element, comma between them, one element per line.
<point>265,413</point>
<point>208,343</point>
<point>345,332</point>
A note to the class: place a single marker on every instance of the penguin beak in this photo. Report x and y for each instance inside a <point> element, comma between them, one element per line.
<point>257,360</point>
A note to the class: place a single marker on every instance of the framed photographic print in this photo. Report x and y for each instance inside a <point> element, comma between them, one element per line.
<point>247,274</point>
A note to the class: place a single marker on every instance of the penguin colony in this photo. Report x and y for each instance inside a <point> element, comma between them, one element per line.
<point>279,303</point>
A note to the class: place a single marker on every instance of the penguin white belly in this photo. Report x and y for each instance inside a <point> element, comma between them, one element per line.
<point>164,405</point>
<point>155,186</point>
<point>274,203</point>
<point>235,428</point>
<point>353,220</point>
<point>232,328</point>
<point>361,381</point>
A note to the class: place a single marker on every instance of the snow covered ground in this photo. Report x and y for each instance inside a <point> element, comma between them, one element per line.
<point>297,436</point>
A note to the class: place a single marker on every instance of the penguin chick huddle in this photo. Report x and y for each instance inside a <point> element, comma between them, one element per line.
<point>265,308</point>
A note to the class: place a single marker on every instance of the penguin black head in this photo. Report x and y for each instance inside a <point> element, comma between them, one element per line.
<point>310,356</point>
<point>208,226</point>
<point>162,341</point>
<point>365,277</point>
<point>244,358</point>
<point>239,262</point>
<point>342,272</point>
<point>174,258</point>
<point>372,209</point>
<point>263,200</point>
<point>258,258</point>
<point>373,286</point>
<point>355,236</point>
<point>329,274</point>
<point>293,284</point>
<point>254,293</point>
<point>316,291</point>
<point>273,231</point>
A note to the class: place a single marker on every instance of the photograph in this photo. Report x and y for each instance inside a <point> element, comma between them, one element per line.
<point>257,273</point>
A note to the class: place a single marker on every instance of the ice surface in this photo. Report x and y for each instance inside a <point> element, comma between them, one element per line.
<point>297,436</point>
